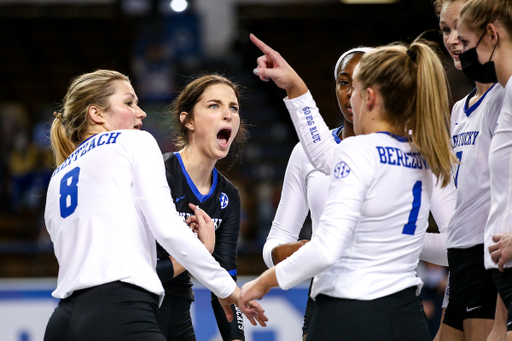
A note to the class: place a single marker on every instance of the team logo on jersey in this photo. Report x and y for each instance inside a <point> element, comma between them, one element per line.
<point>341,170</point>
<point>224,201</point>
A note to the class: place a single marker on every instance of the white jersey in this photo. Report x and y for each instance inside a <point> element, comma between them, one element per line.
<point>304,188</point>
<point>318,144</point>
<point>371,232</point>
<point>106,204</point>
<point>472,129</point>
<point>500,164</point>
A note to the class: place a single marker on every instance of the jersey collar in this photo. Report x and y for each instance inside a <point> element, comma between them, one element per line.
<point>467,110</point>
<point>396,137</point>
<point>199,196</point>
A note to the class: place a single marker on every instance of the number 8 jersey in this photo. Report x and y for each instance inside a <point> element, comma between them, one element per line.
<point>105,205</point>
<point>472,129</point>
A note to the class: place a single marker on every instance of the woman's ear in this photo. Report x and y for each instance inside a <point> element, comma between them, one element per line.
<point>96,115</point>
<point>370,97</point>
<point>190,124</point>
<point>491,30</point>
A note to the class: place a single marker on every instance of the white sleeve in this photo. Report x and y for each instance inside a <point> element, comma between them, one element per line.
<point>340,216</point>
<point>314,135</point>
<point>442,207</point>
<point>292,210</point>
<point>154,200</point>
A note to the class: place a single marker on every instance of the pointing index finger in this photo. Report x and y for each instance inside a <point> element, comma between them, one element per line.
<point>261,45</point>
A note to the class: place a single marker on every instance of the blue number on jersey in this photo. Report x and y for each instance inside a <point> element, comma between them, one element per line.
<point>459,156</point>
<point>69,192</point>
<point>410,227</point>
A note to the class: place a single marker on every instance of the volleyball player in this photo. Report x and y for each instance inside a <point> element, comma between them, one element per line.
<point>485,30</point>
<point>367,245</point>
<point>107,201</point>
<point>472,304</point>
<point>206,122</point>
<point>304,187</point>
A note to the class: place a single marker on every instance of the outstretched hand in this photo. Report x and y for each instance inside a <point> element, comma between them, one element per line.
<point>501,252</point>
<point>273,66</point>
<point>255,315</point>
<point>256,289</point>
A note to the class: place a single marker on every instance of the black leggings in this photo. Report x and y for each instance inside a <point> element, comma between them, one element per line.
<point>174,319</point>
<point>114,311</point>
<point>397,317</point>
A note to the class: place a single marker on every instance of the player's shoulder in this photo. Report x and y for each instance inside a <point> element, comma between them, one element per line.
<point>493,100</point>
<point>361,142</point>
<point>173,169</point>
<point>298,154</point>
<point>138,137</point>
<point>356,148</point>
<point>368,145</point>
<point>225,185</point>
<point>170,158</point>
<point>458,107</point>
<point>496,93</point>
<point>297,150</point>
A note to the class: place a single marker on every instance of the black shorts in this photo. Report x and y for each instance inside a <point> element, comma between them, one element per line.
<point>310,308</point>
<point>472,290</point>
<point>503,281</point>
<point>174,319</point>
<point>398,316</point>
<point>115,311</point>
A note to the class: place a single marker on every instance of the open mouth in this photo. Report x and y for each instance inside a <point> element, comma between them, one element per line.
<point>223,136</point>
<point>138,126</point>
<point>349,109</point>
<point>456,54</point>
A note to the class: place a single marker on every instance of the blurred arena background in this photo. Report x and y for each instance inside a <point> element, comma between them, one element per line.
<point>161,44</point>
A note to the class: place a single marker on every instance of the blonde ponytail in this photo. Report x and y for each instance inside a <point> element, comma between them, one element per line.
<point>430,125</point>
<point>413,85</point>
<point>61,144</point>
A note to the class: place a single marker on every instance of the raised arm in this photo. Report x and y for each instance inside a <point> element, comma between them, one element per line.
<point>313,133</point>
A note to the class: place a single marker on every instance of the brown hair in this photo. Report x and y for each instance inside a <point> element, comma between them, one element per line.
<point>476,14</point>
<point>414,87</point>
<point>70,124</point>
<point>438,5</point>
<point>186,101</point>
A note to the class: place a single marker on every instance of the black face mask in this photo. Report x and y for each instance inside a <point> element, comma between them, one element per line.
<point>482,73</point>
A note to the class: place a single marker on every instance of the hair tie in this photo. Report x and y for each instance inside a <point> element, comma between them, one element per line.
<point>412,54</point>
